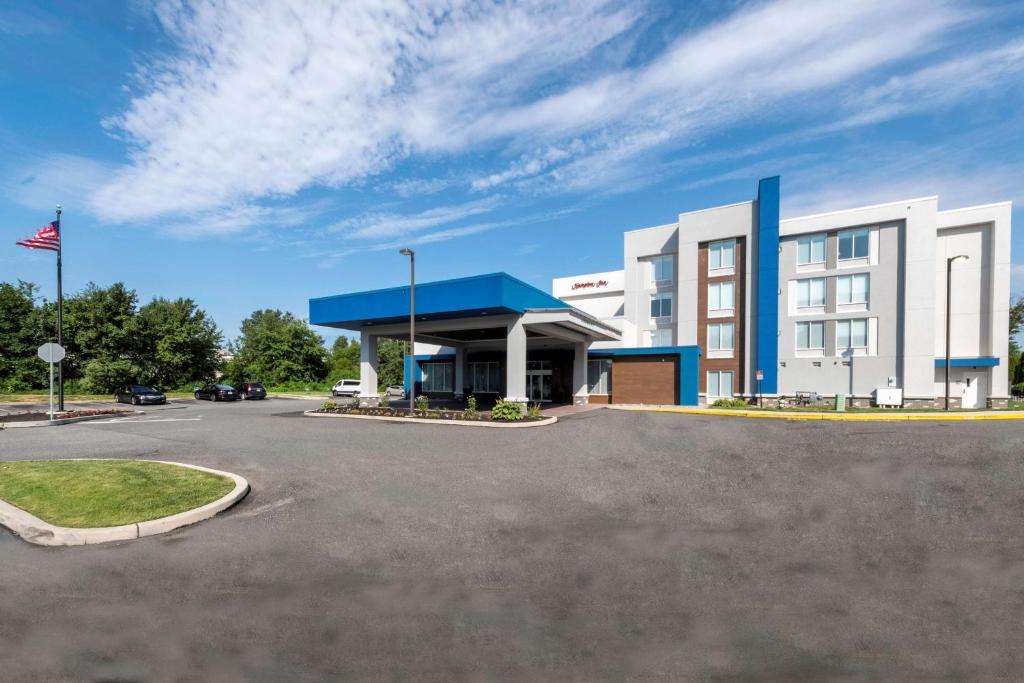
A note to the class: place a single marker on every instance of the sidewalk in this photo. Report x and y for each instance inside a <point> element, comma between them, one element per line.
<point>894,416</point>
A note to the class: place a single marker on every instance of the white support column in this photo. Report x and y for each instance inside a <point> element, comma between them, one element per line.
<point>460,364</point>
<point>368,395</point>
<point>515,362</point>
<point>580,395</point>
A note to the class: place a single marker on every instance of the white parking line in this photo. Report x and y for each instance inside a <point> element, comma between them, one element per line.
<point>135,420</point>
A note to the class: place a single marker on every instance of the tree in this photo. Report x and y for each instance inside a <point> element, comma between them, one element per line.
<point>22,330</point>
<point>390,361</point>
<point>344,359</point>
<point>276,347</point>
<point>174,343</point>
<point>97,326</point>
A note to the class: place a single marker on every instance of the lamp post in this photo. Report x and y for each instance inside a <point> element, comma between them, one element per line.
<point>949,308</point>
<point>412,327</point>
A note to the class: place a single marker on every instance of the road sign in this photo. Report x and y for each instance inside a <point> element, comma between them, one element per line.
<point>760,375</point>
<point>51,353</point>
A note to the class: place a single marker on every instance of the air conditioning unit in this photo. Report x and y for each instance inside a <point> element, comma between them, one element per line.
<point>889,397</point>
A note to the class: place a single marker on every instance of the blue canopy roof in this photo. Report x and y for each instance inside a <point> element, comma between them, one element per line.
<point>491,294</point>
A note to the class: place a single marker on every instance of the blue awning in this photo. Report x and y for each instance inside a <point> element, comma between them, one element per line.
<point>977,362</point>
<point>491,294</point>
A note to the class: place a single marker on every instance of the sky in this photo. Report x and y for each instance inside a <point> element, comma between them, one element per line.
<point>252,155</point>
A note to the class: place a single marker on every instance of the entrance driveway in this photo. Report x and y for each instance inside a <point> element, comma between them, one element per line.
<point>613,545</point>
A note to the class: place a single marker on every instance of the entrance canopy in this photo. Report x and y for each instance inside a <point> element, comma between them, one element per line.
<point>472,308</point>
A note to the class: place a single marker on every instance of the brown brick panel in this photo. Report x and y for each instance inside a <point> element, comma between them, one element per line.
<point>739,332</point>
<point>645,379</point>
<point>600,399</point>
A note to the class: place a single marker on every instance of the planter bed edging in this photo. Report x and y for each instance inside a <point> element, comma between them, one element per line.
<point>34,530</point>
<point>70,420</point>
<point>423,420</point>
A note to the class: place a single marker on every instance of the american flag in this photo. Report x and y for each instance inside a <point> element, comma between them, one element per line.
<point>47,238</point>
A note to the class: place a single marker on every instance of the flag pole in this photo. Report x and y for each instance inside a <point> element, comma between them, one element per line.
<point>60,315</point>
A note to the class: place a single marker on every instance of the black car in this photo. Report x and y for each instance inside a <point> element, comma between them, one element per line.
<point>251,390</point>
<point>138,394</point>
<point>216,392</point>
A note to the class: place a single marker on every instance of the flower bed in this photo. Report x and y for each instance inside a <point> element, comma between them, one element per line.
<point>36,416</point>
<point>429,414</point>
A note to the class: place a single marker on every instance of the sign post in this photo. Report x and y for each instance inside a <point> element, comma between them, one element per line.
<point>760,398</point>
<point>51,353</point>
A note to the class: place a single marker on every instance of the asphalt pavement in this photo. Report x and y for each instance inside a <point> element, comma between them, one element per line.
<point>610,546</point>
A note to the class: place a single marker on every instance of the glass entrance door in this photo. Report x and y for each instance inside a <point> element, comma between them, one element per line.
<point>538,381</point>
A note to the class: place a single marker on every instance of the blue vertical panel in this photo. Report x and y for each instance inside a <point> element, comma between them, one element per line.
<point>768,283</point>
<point>689,375</point>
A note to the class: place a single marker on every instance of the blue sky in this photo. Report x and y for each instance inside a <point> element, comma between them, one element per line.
<point>255,158</point>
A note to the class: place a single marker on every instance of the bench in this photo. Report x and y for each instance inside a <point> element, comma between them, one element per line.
<point>806,398</point>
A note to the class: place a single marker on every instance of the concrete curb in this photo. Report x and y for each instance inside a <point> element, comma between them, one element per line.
<point>34,530</point>
<point>836,417</point>
<point>455,423</point>
<point>70,420</point>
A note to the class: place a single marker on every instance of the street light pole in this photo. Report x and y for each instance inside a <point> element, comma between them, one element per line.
<point>412,327</point>
<point>949,308</point>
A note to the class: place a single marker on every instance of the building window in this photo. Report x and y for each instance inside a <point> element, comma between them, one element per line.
<point>852,289</point>
<point>486,377</point>
<point>721,254</point>
<point>661,337</point>
<point>661,305</point>
<point>810,249</point>
<point>810,293</point>
<point>720,337</point>
<point>719,383</point>
<point>810,335</point>
<point>853,244</point>
<point>851,334</point>
<point>721,296</point>
<point>599,376</point>
<point>437,377</point>
<point>661,269</point>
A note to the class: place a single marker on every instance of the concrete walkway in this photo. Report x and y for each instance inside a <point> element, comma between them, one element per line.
<point>853,416</point>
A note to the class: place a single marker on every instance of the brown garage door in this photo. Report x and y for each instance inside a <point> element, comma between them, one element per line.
<point>645,379</point>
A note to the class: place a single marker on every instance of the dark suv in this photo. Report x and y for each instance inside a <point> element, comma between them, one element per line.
<point>251,390</point>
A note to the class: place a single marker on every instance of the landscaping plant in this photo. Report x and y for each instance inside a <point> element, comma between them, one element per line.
<point>533,410</point>
<point>470,410</point>
<point>329,405</point>
<point>422,403</point>
<point>729,403</point>
<point>506,411</point>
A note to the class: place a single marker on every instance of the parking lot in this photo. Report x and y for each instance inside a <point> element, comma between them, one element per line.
<point>612,545</point>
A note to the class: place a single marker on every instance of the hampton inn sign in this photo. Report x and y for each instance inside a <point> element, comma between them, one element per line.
<point>591,284</point>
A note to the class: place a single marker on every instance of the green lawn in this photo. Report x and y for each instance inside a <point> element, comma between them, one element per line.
<point>96,493</point>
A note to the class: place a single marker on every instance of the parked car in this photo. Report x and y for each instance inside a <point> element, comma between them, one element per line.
<point>138,394</point>
<point>395,391</point>
<point>346,387</point>
<point>251,390</point>
<point>216,392</point>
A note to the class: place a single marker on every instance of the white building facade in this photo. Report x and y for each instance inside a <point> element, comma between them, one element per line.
<point>849,302</point>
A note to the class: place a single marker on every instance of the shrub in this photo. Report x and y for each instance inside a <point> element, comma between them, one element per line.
<point>422,403</point>
<point>470,410</point>
<point>507,411</point>
<point>533,410</point>
<point>329,405</point>
<point>1017,389</point>
<point>729,403</point>
<point>385,400</point>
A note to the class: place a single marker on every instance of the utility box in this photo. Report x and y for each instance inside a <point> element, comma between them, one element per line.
<point>840,403</point>
<point>889,397</point>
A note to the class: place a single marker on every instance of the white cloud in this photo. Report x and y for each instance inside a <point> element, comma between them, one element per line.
<point>265,100</point>
<point>43,181</point>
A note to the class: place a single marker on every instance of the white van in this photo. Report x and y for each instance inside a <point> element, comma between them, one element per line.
<point>346,387</point>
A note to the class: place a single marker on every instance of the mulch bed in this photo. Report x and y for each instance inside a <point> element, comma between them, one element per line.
<point>35,416</point>
<point>480,416</point>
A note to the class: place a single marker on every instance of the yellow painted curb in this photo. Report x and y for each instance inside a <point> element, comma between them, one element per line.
<point>838,417</point>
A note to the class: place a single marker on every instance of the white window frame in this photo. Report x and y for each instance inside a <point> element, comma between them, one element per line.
<point>852,233</point>
<point>851,278</point>
<point>661,330</point>
<point>665,260</point>
<point>716,252</point>
<point>429,382</point>
<point>808,325</point>
<point>715,297</point>
<point>810,241</point>
<point>603,385</point>
<point>809,283</point>
<point>662,297</point>
<point>718,383</point>
<point>717,337</point>
<point>493,382</point>
<point>848,323</point>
